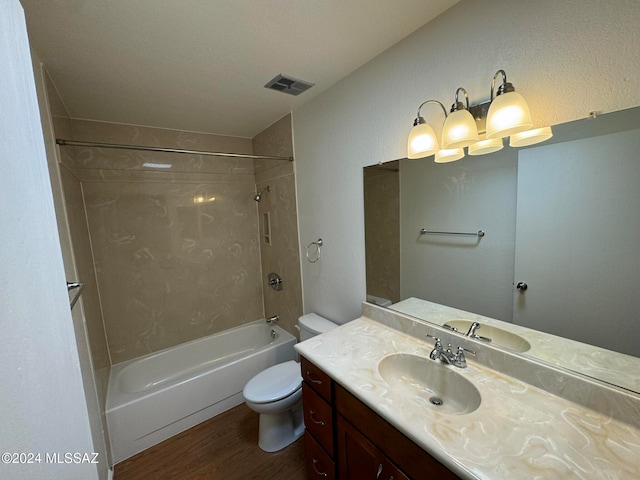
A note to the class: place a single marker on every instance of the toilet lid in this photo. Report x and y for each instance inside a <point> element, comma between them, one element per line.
<point>274,383</point>
<point>315,324</point>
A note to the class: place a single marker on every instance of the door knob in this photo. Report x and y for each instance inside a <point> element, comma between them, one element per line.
<point>521,286</point>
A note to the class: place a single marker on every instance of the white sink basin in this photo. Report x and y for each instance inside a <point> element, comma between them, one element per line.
<point>429,383</point>
<point>498,336</point>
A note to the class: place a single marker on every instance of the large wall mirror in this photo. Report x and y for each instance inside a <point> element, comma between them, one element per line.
<point>561,220</point>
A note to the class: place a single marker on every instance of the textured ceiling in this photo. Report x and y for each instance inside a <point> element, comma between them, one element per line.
<point>201,65</point>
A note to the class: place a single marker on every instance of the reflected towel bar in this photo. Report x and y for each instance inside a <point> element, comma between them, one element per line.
<point>479,233</point>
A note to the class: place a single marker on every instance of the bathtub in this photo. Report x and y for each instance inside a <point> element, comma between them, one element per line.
<point>154,397</point>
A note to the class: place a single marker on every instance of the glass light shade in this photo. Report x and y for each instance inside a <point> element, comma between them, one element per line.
<point>449,155</point>
<point>484,147</point>
<point>459,130</point>
<point>422,141</point>
<point>508,114</point>
<point>530,137</point>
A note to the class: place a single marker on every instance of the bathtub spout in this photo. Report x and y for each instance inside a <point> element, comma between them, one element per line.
<point>272,320</point>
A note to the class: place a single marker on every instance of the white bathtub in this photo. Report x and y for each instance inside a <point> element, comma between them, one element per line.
<point>154,397</point>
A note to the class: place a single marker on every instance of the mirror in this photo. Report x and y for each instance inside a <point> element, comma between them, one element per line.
<point>561,220</point>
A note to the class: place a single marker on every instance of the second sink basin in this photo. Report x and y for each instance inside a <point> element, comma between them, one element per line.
<point>429,383</point>
<point>498,336</point>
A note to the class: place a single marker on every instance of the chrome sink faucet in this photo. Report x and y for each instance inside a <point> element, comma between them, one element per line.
<point>272,320</point>
<point>447,356</point>
<point>472,329</point>
<point>475,326</point>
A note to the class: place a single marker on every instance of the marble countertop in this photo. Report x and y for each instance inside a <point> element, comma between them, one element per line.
<point>606,365</point>
<point>518,432</point>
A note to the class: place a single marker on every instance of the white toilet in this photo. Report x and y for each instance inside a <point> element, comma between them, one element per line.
<point>276,393</point>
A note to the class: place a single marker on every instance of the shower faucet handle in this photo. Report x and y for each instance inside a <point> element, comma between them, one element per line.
<point>274,281</point>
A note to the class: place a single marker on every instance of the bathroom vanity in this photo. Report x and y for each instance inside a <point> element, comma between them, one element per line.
<point>342,431</point>
<point>376,406</point>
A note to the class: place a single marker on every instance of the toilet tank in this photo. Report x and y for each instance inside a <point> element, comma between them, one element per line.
<point>312,324</point>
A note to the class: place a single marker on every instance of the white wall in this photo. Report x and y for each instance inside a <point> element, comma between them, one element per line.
<point>567,58</point>
<point>42,402</point>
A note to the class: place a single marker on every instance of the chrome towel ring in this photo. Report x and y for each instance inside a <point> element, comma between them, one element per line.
<point>310,254</point>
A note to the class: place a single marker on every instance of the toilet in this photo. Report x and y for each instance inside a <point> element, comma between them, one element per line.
<point>276,393</point>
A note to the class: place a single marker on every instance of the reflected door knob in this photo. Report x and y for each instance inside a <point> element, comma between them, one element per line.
<point>521,286</point>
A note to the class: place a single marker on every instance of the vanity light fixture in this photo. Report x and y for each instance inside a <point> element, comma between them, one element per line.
<point>459,128</point>
<point>509,112</point>
<point>505,115</point>
<point>422,139</point>
<point>530,137</point>
<point>484,147</point>
<point>447,155</point>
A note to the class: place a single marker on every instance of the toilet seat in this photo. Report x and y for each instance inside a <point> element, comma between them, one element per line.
<point>274,383</point>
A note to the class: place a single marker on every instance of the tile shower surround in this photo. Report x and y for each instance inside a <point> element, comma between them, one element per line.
<point>177,254</point>
<point>382,231</point>
<point>283,256</point>
<point>171,269</point>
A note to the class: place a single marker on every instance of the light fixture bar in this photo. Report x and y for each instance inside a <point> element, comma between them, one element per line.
<point>479,113</point>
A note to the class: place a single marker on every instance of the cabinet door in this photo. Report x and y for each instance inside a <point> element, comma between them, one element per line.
<point>359,459</point>
<point>357,421</point>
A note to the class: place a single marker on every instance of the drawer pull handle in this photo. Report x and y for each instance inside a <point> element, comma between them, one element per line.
<point>317,422</point>
<point>309,376</point>
<point>379,471</point>
<point>322,474</point>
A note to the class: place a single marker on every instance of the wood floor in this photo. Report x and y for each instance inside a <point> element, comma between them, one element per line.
<point>225,448</point>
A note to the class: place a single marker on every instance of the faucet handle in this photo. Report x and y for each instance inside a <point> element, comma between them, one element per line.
<point>438,342</point>
<point>437,348</point>
<point>461,361</point>
<point>461,351</point>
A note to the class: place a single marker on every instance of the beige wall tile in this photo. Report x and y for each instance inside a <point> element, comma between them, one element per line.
<point>276,141</point>
<point>86,273</point>
<point>108,159</point>
<point>283,255</point>
<point>172,264</point>
<point>382,230</point>
<point>175,261</point>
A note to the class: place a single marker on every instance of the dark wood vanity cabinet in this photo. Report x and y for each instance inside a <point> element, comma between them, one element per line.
<point>345,439</point>
<point>360,459</point>
<point>319,422</point>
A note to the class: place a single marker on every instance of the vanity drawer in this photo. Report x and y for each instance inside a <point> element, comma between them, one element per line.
<point>315,377</point>
<point>319,464</point>
<point>318,418</point>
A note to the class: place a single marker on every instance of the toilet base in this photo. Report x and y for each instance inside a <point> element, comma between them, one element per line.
<point>279,430</point>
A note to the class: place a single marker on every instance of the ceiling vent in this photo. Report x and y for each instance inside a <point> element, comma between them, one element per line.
<point>288,84</point>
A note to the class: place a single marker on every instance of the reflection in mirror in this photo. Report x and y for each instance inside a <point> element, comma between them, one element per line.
<point>561,218</point>
<point>382,234</point>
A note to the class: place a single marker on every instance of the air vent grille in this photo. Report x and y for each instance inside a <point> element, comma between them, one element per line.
<point>288,84</point>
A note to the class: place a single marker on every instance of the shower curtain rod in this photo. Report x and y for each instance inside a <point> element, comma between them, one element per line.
<point>74,143</point>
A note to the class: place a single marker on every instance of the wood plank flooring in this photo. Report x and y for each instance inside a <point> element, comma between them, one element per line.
<point>224,447</point>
